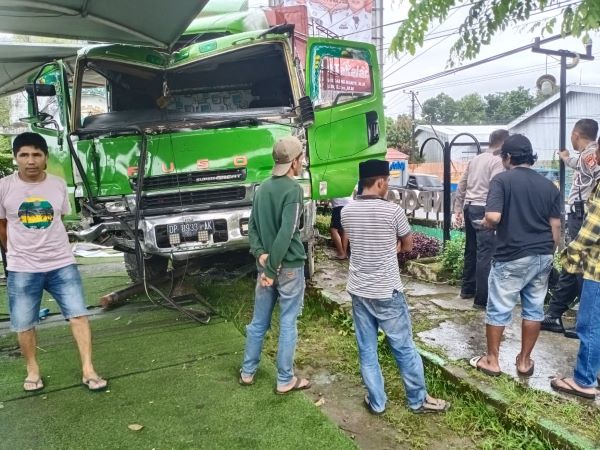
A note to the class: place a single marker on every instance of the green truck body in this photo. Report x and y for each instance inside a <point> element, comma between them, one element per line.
<point>200,123</point>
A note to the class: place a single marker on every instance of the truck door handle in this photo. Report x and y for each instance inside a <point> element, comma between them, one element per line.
<point>372,128</point>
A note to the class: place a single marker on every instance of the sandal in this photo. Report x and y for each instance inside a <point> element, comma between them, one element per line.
<point>474,363</point>
<point>39,385</point>
<point>528,372</point>
<point>244,382</point>
<point>570,389</point>
<point>432,405</point>
<point>298,386</point>
<point>95,384</point>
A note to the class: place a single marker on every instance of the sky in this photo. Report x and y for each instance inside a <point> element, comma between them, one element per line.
<point>522,69</point>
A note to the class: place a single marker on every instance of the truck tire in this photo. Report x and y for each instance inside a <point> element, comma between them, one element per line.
<point>309,266</point>
<point>156,267</point>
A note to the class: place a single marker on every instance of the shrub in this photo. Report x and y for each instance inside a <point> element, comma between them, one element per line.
<point>322,224</point>
<point>453,258</point>
<point>423,247</point>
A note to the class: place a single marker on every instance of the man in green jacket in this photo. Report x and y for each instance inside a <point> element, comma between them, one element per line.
<point>275,243</point>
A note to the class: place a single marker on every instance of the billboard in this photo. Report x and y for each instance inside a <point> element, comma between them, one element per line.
<point>343,19</point>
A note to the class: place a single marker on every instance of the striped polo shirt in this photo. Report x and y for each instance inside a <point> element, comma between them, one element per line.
<point>373,226</point>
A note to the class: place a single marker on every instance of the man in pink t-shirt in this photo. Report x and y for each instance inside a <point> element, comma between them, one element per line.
<point>32,204</point>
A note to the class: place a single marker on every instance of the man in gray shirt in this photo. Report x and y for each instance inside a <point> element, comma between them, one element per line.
<point>587,174</point>
<point>469,208</point>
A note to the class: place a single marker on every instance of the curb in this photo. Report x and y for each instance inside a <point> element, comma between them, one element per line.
<point>555,433</point>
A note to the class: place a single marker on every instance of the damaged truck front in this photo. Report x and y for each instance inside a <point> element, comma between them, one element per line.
<point>163,152</point>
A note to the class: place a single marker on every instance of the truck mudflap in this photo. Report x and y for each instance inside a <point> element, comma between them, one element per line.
<point>189,235</point>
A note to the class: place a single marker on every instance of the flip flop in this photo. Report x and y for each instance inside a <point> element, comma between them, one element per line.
<point>97,381</point>
<point>245,383</point>
<point>432,405</point>
<point>338,258</point>
<point>298,386</point>
<point>473,363</point>
<point>39,385</point>
<point>570,389</point>
<point>528,372</point>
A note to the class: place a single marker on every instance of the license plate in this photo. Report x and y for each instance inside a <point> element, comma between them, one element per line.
<point>190,229</point>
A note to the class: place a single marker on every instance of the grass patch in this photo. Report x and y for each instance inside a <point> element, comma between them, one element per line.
<point>326,339</point>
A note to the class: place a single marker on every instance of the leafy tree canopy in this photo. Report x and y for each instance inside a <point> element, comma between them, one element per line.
<point>487,17</point>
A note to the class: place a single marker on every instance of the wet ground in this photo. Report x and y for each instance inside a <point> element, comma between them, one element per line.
<point>448,323</point>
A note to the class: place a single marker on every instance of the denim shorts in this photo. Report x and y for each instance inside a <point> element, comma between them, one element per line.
<point>25,291</point>
<point>524,278</point>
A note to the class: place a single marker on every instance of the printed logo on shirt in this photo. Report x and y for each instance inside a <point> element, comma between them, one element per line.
<point>590,160</point>
<point>36,213</point>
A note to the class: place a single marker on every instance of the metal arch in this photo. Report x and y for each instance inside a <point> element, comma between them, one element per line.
<point>438,140</point>
<point>469,135</point>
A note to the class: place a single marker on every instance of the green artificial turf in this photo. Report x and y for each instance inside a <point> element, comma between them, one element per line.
<point>176,378</point>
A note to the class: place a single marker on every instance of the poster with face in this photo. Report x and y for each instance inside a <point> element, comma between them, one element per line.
<point>342,19</point>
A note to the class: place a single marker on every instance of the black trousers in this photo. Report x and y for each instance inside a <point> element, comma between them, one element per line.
<point>479,248</point>
<point>569,285</point>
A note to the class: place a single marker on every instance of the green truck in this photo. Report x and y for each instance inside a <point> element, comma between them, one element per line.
<point>163,151</point>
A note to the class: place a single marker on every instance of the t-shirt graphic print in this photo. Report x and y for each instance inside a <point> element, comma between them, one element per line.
<point>36,213</point>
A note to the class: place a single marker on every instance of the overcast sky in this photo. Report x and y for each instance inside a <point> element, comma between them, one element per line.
<point>508,73</point>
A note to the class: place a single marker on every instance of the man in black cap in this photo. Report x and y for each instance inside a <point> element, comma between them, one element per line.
<point>378,230</point>
<point>524,207</point>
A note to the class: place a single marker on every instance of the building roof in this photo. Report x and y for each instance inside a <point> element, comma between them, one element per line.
<point>393,155</point>
<point>551,100</point>
<point>481,132</point>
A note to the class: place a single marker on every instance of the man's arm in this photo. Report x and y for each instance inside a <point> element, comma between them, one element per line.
<point>256,245</point>
<point>570,161</point>
<point>405,244</point>
<point>3,234</point>
<point>555,224</point>
<point>461,190</point>
<point>494,204</point>
<point>289,221</point>
<point>403,232</point>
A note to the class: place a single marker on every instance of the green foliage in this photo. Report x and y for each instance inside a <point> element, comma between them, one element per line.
<point>322,223</point>
<point>453,258</point>
<point>472,109</point>
<point>6,157</point>
<point>485,18</point>
<point>399,135</point>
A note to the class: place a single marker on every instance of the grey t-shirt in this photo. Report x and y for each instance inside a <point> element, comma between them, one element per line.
<point>37,238</point>
<point>527,201</point>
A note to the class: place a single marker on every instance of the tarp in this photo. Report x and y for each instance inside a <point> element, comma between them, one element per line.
<point>19,61</point>
<point>142,22</point>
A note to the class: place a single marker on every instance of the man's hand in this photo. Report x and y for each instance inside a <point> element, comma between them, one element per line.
<point>459,220</point>
<point>563,154</point>
<point>265,281</point>
<point>262,259</point>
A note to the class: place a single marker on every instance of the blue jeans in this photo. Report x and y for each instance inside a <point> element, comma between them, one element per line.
<point>525,278</point>
<point>588,331</point>
<point>25,291</point>
<point>391,315</point>
<point>289,288</point>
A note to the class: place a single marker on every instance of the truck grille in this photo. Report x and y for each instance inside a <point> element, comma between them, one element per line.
<point>191,178</point>
<point>187,198</point>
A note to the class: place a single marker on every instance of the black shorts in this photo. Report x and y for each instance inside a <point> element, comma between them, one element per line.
<point>336,218</point>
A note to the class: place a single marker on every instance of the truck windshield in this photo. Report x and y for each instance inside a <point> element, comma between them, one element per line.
<point>246,82</point>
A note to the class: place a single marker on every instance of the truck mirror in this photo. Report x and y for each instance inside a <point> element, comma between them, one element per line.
<point>307,111</point>
<point>41,90</point>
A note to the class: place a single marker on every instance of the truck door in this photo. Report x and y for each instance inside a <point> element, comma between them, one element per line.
<point>343,81</point>
<point>49,116</point>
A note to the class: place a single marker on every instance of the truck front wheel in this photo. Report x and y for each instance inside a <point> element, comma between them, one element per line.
<point>155,267</point>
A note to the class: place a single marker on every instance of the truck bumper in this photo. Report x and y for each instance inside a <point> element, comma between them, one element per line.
<point>232,233</point>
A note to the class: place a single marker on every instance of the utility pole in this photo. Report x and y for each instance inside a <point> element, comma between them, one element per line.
<point>562,139</point>
<point>413,97</point>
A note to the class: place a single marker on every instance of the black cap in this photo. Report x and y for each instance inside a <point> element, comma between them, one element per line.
<point>517,145</point>
<point>373,168</point>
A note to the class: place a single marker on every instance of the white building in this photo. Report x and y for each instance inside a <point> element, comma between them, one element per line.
<point>464,148</point>
<point>541,124</point>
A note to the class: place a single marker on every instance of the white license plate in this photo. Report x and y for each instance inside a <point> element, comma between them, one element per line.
<point>190,229</point>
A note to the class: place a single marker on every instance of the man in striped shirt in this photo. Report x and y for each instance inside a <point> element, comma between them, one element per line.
<point>378,230</point>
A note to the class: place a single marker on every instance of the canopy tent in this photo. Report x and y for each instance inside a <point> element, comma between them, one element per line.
<point>19,61</point>
<point>156,23</point>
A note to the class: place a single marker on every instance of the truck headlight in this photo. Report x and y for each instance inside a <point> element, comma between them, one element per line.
<point>116,207</point>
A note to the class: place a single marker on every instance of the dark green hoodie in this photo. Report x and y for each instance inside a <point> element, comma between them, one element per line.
<point>274,224</point>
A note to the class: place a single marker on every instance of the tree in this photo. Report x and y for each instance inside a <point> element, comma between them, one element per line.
<point>440,109</point>
<point>503,107</point>
<point>6,157</point>
<point>471,110</point>
<point>487,17</point>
